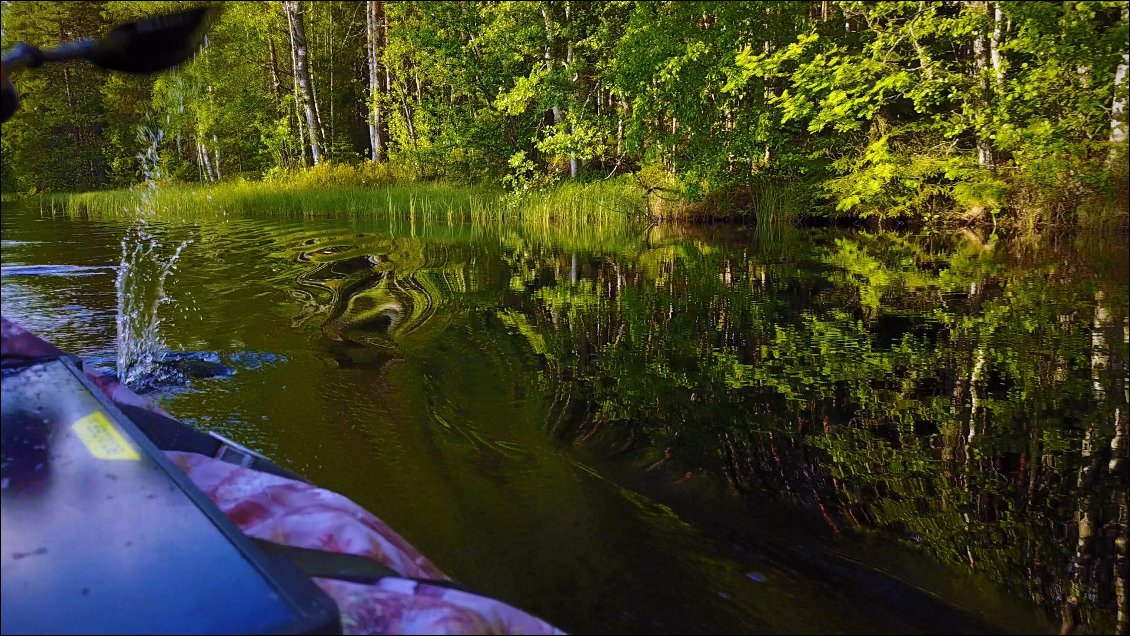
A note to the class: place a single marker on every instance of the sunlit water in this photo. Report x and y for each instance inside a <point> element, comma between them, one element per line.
<point>674,431</point>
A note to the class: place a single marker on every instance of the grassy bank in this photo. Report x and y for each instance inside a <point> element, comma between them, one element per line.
<point>344,189</point>
<point>600,215</point>
<point>577,207</point>
<point>369,188</point>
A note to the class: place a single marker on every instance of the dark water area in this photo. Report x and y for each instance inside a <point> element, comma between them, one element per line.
<point>691,430</point>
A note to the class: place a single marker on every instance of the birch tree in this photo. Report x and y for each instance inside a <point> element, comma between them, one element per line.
<point>296,23</point>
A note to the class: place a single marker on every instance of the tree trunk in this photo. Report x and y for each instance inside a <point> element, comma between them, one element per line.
<point>216,152</point>
<point>199,163</point>
<point>318,114</point>
<point>573,82</point>
<point>924,61</point>
<point>622,111</point>
<point>202,152</point>
<point>294,13</point>
<point>404,91</point>
<point>75,138</point>
<point>1118,121</point>
<point>995,46</point>
<point>276,83</point>
<point>375,24</point>
<point>981,58</point>
<point>547,55</point>
<point>276,94</point>
<point>294,85</point>
<point>330,45</point>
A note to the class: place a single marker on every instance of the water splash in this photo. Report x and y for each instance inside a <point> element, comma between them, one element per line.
<point>140,284</point>
<point>150,162</point>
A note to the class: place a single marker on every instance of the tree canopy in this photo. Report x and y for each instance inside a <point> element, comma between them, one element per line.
<point>883,109</point>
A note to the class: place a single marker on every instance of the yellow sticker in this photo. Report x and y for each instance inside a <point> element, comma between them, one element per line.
<point>102,439</point>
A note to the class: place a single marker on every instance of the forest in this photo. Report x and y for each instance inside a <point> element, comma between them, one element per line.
<point>430,240</point>
<point>955,110</point>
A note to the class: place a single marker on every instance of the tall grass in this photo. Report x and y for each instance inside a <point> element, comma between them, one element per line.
<point>374,189</point>
<point>766,203</point>
<point>579,216</point>
<point>246,197</point>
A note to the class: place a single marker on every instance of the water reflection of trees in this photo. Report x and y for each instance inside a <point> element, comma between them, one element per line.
<point>961,395</point>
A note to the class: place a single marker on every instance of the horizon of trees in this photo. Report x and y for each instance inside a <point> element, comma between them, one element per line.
<point>884,108</point>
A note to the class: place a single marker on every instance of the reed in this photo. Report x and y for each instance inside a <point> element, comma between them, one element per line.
<point>598,216</point>
<point>261,197</point>
<point>343,189</point>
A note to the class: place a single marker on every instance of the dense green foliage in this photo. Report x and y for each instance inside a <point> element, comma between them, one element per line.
<point>936,110</point>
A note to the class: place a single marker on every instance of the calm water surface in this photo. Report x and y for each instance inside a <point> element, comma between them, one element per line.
<point>661,430</point>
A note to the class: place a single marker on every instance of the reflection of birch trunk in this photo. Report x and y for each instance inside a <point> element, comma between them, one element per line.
<point>976,382</point>
<point>965,380</point>
<point>1117,467</point>
<point>1085,526</point>
<point>1100,352</point>
<point>1121,565</point>
<point>1086,513</point>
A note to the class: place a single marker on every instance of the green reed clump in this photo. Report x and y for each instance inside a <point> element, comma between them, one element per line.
<point>372,188</point>
<point>601,215</point>
<point>268,197</point>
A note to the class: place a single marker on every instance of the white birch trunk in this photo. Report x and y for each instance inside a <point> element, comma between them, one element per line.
<point>1118,121</point>
<point>293,10</point>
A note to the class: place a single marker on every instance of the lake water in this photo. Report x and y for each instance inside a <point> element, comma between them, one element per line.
<point>691,430</point>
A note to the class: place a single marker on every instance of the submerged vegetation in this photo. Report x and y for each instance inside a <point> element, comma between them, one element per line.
<point>952,111</point>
